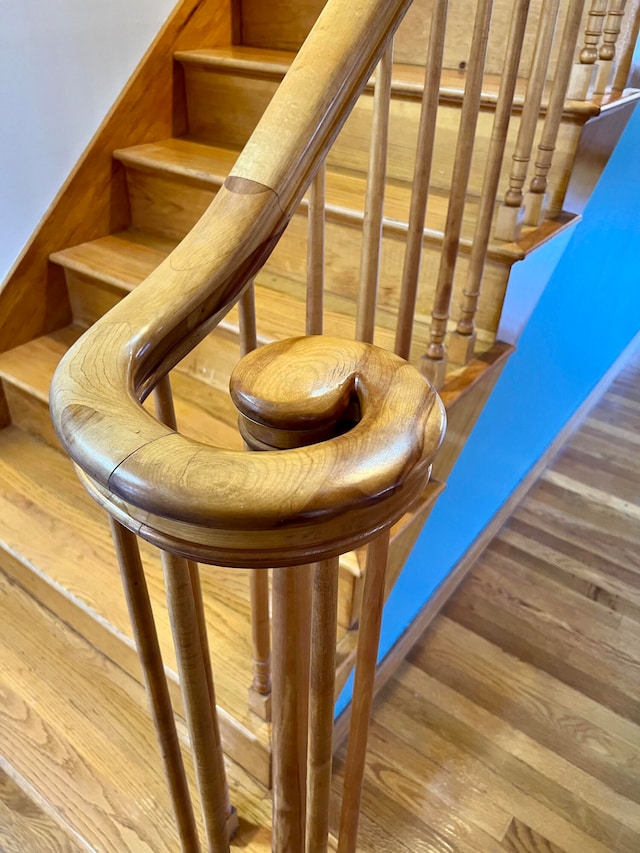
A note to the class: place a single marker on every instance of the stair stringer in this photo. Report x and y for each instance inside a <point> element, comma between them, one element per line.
<point>93,200</point>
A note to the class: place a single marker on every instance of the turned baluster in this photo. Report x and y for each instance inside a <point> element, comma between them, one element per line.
<point>324,626</point>
<point>364,682</point>
<point>374,202</point>
<point>421,176</point>
<point>148,648</point>
<point>535,199</point>
<point>315,253</point>
<point>509,217</point>
<point>191,642</point>
<point>434,363</point>
<point>625,55</point>
<point>607,53</point>
<point>583,73</point>
<point>462,342</point>
<point>291,648</point>
<point>260,690</point>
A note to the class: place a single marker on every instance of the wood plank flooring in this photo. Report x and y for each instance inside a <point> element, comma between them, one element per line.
<point>513,725</point>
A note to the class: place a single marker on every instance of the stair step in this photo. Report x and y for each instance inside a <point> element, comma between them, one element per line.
<point>77,737</point>
<point>57,545</point>
<point>26,374</point>
<point>172,183</point>
<point>98,276</point>
<point>203,165</point>
<point>228,89</point>
<point>407,79</point>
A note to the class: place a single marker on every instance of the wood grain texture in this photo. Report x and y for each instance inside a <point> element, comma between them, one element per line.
<point>524,760</point>
<point>221,78</point>
<point>63,555</point>
<point>403,387</point>
<point>93,201</point>
<point>25,827</point>
<point>285,26</point>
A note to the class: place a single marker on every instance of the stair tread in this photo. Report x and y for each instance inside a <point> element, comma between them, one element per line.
<point>280,302</point>
<point>192,160</point>
<point>49,522</point>
<point>125,258</point>
<point>76,726</point>
<point>407,80</point>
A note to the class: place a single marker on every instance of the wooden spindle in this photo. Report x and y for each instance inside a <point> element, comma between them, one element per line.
<point>509,217</point>
<point>462,343</point>
<point>290,701</point>
<point>260,689</point>
<point>182,582</point>
<point>583,73</point>
<point>247,320</point>
<point>624,53</point>
<point>607,53</point>
<point>535,199</point>
<point>366,660</point>
<point>421,176</point>
<point>315,253</point>
<point>199,704</point>
<point>374,202</point>
<point>148,648</point>
<point>165,412</point>
<point>434,364</point>
<point>324,625</point>
<point>163,402</point>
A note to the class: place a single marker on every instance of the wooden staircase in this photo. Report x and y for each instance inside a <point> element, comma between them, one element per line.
<point>59,574</point>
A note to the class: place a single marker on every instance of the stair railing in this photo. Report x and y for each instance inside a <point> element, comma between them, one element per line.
<point>352,431</point>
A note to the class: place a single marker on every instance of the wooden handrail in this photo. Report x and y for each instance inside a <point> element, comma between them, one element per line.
<point>223,506</point>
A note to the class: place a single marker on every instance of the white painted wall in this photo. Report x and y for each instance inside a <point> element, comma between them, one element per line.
<point>62,65</point>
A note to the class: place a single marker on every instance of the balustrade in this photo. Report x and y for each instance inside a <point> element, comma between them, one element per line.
<point>462,342</point>
<point>421,176</point>
<point>374,202</point>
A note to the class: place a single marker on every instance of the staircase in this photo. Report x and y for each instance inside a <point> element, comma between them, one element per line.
<point>75,727</point>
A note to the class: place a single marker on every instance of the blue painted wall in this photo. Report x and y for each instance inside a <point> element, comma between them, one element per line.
<point>587,315</point>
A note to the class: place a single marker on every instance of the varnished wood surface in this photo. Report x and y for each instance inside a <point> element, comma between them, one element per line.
<point>25,827</point>
<point>485,741</point>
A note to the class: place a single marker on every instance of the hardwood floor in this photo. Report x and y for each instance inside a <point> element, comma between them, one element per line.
<point>513,726</point>
<point>513,723</point>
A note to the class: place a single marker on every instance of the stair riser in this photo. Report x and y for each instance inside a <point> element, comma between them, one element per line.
<point>274,25</point>
<point>211,361</point>
<point>214,99</point>
<point>343,248</point>
<point>29,413</point>
<point>90,299</point>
